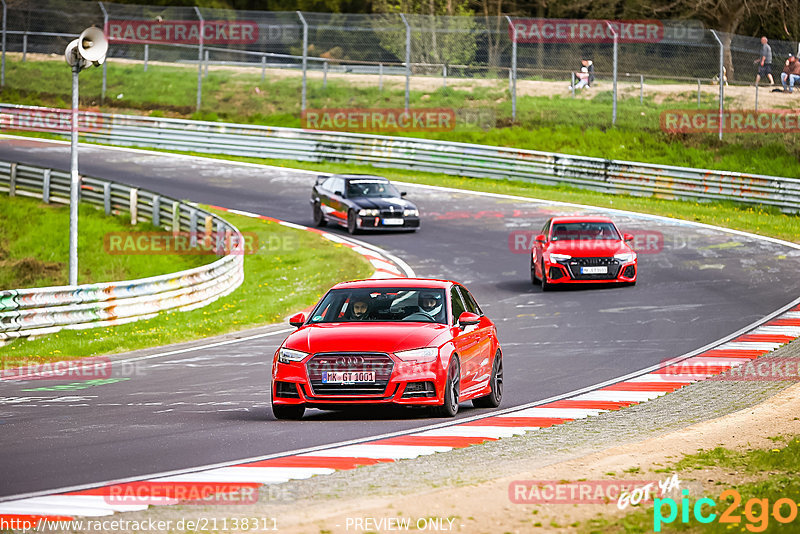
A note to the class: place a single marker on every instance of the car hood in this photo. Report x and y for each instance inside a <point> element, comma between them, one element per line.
<point>379,203</point>
<point>366,337</point>
<point>588,249</point>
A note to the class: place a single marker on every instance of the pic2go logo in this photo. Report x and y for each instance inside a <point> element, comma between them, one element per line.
<point>756,511</point>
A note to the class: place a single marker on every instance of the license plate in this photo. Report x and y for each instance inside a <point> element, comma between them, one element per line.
<point>347,377</point>
<point>602,269</point>
<point>393,222</point>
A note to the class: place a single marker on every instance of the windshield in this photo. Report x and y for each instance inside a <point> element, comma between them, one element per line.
<point>371,188</point>
<point>585,231</point>
<point>381,305</point>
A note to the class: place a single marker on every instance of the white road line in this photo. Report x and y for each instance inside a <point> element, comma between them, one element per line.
<point>664,377</point>
<point>749,345</point>
<point>395,452</point>
<point>470,431</point>
<point>565,413</point>
<point>793,331</point>
<point>263,475</point>
<point>620,396</point>
<point>85,505</point>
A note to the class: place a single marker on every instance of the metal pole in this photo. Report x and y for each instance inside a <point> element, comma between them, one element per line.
<point>721,81</point>
<point>200,59</point>
<point>698,93</point>
<point>616,46</point>
<point>641,89</point>
<point>513,71</point>
<point>325,74</point>
<point>572,85</point>
<point>263,68</point>
<point>305,60</point>
<point>408,57</point>
<point>3,65</point>
<point>146,55</point>
<point>74,181</point>
<point>380,77</point>
<point>444,76</point>
<point>205,73</point>
<point>24,46</point>
<point>105,63</point>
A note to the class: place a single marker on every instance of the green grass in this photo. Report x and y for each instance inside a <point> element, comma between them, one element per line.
<point>290,271</point>
<point>776,469</point>
<point>555,124</point>
<point>34,246</point>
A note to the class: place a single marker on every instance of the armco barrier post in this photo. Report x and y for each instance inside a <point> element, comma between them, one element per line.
<point>721,81</point>
<point>105,63</point>
<point>408,56</point>
<point>513,71</point>
<point>12,180</point>
<point>146,55</point>
<point>46,186</point>
<point>200,59</point>
<point>616,47</point>
<point>134,205</point>
<point>156,210</point>
<point>305,60</point>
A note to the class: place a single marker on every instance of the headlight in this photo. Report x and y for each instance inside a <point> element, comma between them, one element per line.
<point>427,354</point>
<point>290,356</point>
<point>625,257</point>
<point>559,257</point>
<point>410,213</point>
<point>369,213</point>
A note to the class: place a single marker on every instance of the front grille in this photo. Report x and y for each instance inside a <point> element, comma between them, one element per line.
<point>381,364</point>
<point>574,265</point>
<point>392,214</point>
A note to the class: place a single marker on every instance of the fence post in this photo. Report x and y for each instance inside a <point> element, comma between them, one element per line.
<point>408,56</point>
<point>46,186</point>
<point>3,65</point>
<point>24,46</point>
<point>616,47</point>
<point>200,59</point>
<point>721,81</point>
<point>380,77</point>
<point>107,198</point>
<point>513,71</point>
<point>205,73</point>
<point>444,76</point>
<point>105,63</point>
<point>641,88</point>
<point>263,68</point>
<point>176,217</point>
<point>193,228</point>
<point>146,55</point>
<point>572,85</point>
<point>156,210</point>
<point>12,181</point>
<point>133,206</point>
<point>698,93</point>
<point>305,60</point>
<point>325,74</point>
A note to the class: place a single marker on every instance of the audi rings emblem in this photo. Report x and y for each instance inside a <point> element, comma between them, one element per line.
<point>350,361</point>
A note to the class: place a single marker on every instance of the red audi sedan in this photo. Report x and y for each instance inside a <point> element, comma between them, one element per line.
<point>404,341</point>
<point>582,250</point>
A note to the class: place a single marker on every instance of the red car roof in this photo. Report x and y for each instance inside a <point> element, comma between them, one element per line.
<point>578,218</point>
<point>396,282</point>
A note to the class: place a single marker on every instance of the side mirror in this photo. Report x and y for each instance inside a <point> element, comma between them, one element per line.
<point>321,178</point>
<point>541,238</point>
<point>403,193</point>
<point>468,319</point>
<point>338,193</point>
<point>297,320</point>
<point>627,237</point>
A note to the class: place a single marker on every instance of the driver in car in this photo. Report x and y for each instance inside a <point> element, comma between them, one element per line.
<point>360,309</point>
<point>429,304</point>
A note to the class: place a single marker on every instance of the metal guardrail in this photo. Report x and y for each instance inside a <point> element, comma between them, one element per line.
<point>462,159</point>
<point>45,310</point>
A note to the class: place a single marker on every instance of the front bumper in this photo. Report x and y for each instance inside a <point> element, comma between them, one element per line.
<point>570,271</point>
<point>378,223</point>
<point>298,383</point>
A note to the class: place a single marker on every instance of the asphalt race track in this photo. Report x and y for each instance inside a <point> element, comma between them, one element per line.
<point>211,405</point>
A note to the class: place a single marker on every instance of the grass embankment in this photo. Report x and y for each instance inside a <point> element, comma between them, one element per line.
<point>290,271</point>
<point>765,475</point>
<point>557,123</point>
<point>34,247</point>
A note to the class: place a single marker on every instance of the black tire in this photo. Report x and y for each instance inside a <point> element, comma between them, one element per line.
<point>546,286</point>
<point>319,218</point>
<point>495,396</point>
<point>352,227</point>
<point>534,280</point>
<point>451,392</point>
<point>293,412</point>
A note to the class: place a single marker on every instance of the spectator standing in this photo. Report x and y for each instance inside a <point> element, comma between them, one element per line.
<point>765,62</point>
